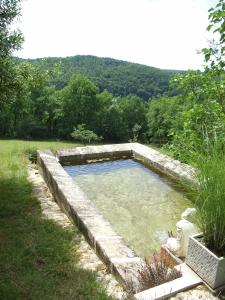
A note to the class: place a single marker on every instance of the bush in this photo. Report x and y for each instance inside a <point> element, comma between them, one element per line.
<point>29,128</point>
<point>31,154</point>
<point>81,134</point>
<point>202,124</point>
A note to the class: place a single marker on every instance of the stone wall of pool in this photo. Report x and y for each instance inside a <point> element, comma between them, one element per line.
<point>150,157</point>
<point>110,247</point>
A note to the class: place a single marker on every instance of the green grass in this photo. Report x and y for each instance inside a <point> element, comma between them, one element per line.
<point>38,259</point>
<point>7,146</point>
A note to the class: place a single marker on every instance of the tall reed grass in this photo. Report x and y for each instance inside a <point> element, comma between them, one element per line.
<point>209,196</point>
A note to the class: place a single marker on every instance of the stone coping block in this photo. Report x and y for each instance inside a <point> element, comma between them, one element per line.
<point>148,156</point>
<point>83,154</point>
<point>109,246</point>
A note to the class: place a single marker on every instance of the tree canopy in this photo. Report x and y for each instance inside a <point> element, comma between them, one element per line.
<point>120,78</point>
<point>119,101</point>
<point>10,40</point>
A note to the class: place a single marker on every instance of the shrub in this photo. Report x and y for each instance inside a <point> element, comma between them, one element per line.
<point>81,134</point>
<point>202,124</point>
<point>135,131</point>
<point>152,273</point>
<point>31,154</point>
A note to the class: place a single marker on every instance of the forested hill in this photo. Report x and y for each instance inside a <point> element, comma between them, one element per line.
<point>116,76</point>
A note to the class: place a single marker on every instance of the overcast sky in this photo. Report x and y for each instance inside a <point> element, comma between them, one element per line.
<point>159,33</point>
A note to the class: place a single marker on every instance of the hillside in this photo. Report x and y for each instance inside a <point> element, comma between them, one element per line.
<point>116,76</point>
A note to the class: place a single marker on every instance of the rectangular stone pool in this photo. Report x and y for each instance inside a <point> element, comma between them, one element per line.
<point>118,203</point>
<point>141,205</point>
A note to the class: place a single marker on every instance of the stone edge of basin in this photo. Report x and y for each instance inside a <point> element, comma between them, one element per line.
<point>109,246</point>
<point>150,157</point>
<point>83,154</point>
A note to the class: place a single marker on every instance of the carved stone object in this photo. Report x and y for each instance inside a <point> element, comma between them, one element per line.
<point>185,228</point>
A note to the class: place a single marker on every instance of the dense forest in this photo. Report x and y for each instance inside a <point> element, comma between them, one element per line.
<point>120,78</point>
<point>91,99</point>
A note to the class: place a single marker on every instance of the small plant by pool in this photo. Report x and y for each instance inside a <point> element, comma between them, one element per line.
<point>158,270</point>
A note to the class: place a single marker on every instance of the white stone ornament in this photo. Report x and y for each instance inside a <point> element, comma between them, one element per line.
<point>189,214</point>
<point>185,228</point>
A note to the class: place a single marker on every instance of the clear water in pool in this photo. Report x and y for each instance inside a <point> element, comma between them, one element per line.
<point>141,205</point>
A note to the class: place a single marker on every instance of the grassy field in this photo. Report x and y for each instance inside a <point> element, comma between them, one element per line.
<point>38,259</point>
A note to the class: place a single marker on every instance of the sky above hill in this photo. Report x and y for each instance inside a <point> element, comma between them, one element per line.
<point>159,33</point>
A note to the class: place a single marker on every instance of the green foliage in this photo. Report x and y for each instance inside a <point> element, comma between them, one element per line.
<point>113,125</point>
<point>205,119</point>
<point>120,78</point>
<point>214,55</point>
<point>163,114</point>
<point>202,124</point>
<point>197,87</point>
<point>203,116</point>
<point>120,116</point>
<point>80,103</point>
<point>134,116</point>
<point>34,111</point>
<point>31,154</point>
<point>49,102</point>
<point>201,138</point>
<point>81,134</point>
<point>136,131</point>
<point>10,40</point>
<point>41,112</point>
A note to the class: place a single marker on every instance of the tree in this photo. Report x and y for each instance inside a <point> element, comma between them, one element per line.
<point>203,96</point>
<point>134,116</point>
<point>80,103</point>
<point>163,115</point>
<point>33,112</point>
<point>215,54</point>
<point>113,125</point>
<point>10,40</point>
<point>196,87</point>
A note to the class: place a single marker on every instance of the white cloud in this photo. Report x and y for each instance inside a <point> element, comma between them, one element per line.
<point>160,33</point>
